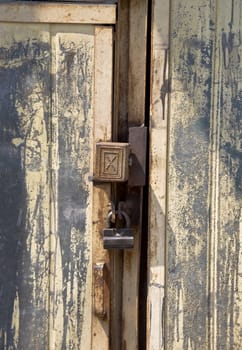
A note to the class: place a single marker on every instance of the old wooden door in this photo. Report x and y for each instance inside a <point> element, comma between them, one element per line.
<point>55,102</point>
<point>195,247</point>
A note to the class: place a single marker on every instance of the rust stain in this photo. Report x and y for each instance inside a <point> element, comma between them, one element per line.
<point>99,290</point>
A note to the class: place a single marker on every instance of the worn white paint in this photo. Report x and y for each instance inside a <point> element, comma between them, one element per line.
<point>63,221</point>
<point>75,108</point>
<point>158,169</point>
<point>42,12</point>
<point>195,242</point>
<point>102,124</point>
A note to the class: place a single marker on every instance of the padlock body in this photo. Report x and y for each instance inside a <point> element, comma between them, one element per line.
<point>121,238</point>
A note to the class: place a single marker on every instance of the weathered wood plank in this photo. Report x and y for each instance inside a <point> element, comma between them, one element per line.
<point>226,185</point>
<point>137,61</point>
<point>72,133</point>
<point>121,72</point>
<point>157,180</point>
<point>25,182</point>
<point>120,114</point>
<point>102,128</point>
<point>204,179</point>
<point>188,242</point>
<point>136,117</point>
<point>41,12</point>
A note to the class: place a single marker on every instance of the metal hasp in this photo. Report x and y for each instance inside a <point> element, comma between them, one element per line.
<point>118,238</point>
<point>138,146</point>
<point>121,162</point>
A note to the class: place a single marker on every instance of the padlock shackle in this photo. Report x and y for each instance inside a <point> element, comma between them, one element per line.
<point>120,212</point>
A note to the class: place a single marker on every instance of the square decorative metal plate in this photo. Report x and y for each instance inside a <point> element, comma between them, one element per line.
<point>112,161</point>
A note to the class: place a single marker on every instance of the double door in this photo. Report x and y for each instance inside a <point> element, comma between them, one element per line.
<point>73,74</point>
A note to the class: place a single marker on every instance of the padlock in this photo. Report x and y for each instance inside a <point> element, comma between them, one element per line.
<point>118,238</point>
<point>121,238</point>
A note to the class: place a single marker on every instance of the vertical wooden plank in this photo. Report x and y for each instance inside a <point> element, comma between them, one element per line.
<point>136,117</point>
<point>188,243</point>
<point>137,61</point>
<point>25,181</point>
<point>102,192</point>
<point>120,115</point>
<point>121,72</point>
<point>227,264</point>
<point>56,276</point>
<point>72,134</point>
<point>160,85</point>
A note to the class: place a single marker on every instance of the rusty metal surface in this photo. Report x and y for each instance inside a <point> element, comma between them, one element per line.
<point>101,285</point>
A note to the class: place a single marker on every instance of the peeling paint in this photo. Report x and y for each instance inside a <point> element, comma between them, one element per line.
<point>45,147</point>
<point>74,90</point>
<point>204,183</point>
<point>24,110</point>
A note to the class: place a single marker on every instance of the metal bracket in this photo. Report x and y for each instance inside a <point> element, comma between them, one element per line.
<point>138,146</point>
